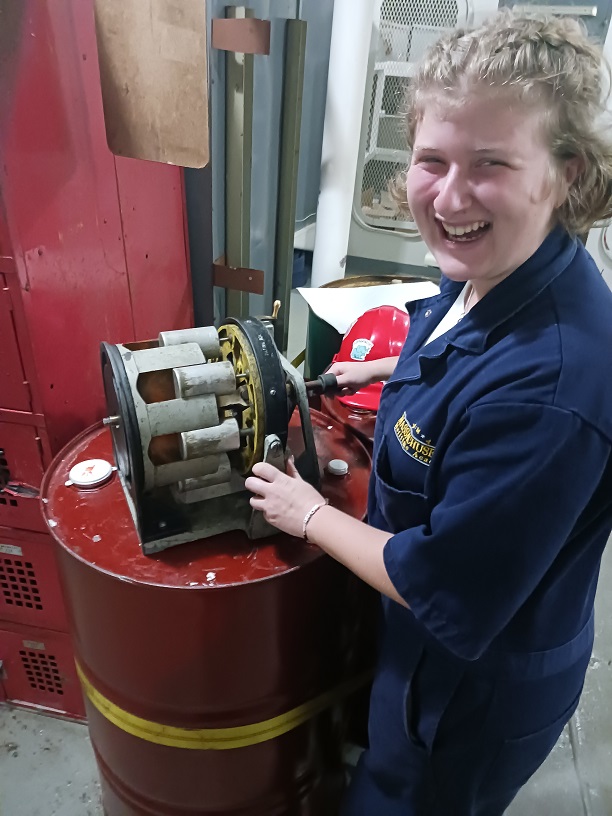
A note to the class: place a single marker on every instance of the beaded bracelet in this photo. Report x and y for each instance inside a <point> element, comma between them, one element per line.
<point>309,515</point>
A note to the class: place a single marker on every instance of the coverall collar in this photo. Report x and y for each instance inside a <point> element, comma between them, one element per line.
<point>502,302</point>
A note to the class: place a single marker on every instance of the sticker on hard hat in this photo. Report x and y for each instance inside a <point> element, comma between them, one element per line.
<point>361,348</point>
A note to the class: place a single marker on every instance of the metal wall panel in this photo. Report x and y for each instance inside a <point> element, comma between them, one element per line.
<point>267,94</point>
<point>14,392</point>
<point>21,512</point>
<point>19,331</point>
<point>24,454</point>
<point>60,196</point>
<point>152,206</point>
<point>80,222</point>
<point>30,592</point>
<point>39,671</point>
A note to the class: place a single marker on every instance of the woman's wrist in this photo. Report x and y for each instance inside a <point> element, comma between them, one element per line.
<point>308,516</point>
<point>382,369</point>
<point>315,526</point>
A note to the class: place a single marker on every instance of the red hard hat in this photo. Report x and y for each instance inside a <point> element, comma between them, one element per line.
<point>378,333</point>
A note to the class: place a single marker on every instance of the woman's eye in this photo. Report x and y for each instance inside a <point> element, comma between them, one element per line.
<point>493,163</point>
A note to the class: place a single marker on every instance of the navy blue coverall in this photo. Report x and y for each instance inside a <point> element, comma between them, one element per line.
<point>492,469</point>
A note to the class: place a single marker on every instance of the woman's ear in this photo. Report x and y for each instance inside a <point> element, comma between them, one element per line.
<point>571,169</point>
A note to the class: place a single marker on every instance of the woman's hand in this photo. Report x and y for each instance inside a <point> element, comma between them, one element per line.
<point>283,498</point>
<point>353,376</point>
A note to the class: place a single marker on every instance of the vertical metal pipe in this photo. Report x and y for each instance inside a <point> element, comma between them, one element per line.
<point>599,240</point>
<point>198,197</point>
<point>238,149</point>
<point>348,64</point>
<point>293,84</point>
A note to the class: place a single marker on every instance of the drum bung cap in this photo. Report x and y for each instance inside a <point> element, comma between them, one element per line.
<point>337,467</point>
<point>90,473</point>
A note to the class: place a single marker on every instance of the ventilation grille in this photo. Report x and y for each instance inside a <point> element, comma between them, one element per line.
<point>42,671</point>
<point>18,584</point>
<point>406,30</point>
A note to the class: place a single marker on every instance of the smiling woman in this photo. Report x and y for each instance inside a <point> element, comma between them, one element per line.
<point>469,202</point>
<point>491,494</point>
<point>506,133</point>
<point>544,65</point>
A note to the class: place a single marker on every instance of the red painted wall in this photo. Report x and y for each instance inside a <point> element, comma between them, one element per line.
<point>94,245</point>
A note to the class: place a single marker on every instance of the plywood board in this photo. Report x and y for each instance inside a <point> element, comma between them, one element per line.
<point>152,56</point>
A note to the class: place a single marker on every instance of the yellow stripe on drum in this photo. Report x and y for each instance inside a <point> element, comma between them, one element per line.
<point>216,739</point>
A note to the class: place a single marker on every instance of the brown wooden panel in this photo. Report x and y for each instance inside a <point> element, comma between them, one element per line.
<point>152,56</point>
<point>238,278</point>
<point>243,36</point>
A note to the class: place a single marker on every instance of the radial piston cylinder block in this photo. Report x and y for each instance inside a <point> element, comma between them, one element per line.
<point>190,414</point>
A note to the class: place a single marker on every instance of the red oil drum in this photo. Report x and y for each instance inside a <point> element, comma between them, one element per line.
<point>360,422</point>
<point>214,671</point>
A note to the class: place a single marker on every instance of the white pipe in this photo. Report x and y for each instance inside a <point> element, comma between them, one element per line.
<point>599,239</point>
<point>346,83</point>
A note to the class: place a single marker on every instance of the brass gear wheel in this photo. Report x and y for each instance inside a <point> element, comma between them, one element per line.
<point>260,379</point>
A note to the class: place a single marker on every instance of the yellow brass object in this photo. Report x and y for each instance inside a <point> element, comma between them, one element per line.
<point>236,348</point>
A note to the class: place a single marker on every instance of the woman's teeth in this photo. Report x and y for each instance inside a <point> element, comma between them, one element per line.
<point>464,230</point>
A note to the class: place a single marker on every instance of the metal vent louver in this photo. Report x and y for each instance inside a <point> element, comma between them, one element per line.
<point>404,32</point>
<point>42,671</point>
<point>18,584</point>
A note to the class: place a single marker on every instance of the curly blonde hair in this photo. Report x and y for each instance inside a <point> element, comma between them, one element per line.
<point>548,63</point>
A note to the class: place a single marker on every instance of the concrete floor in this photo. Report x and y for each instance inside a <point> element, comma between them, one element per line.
<point>47,766</point>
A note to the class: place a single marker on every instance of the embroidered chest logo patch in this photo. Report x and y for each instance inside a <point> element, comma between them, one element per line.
<point>361,348</point>
<point>413,440</point>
